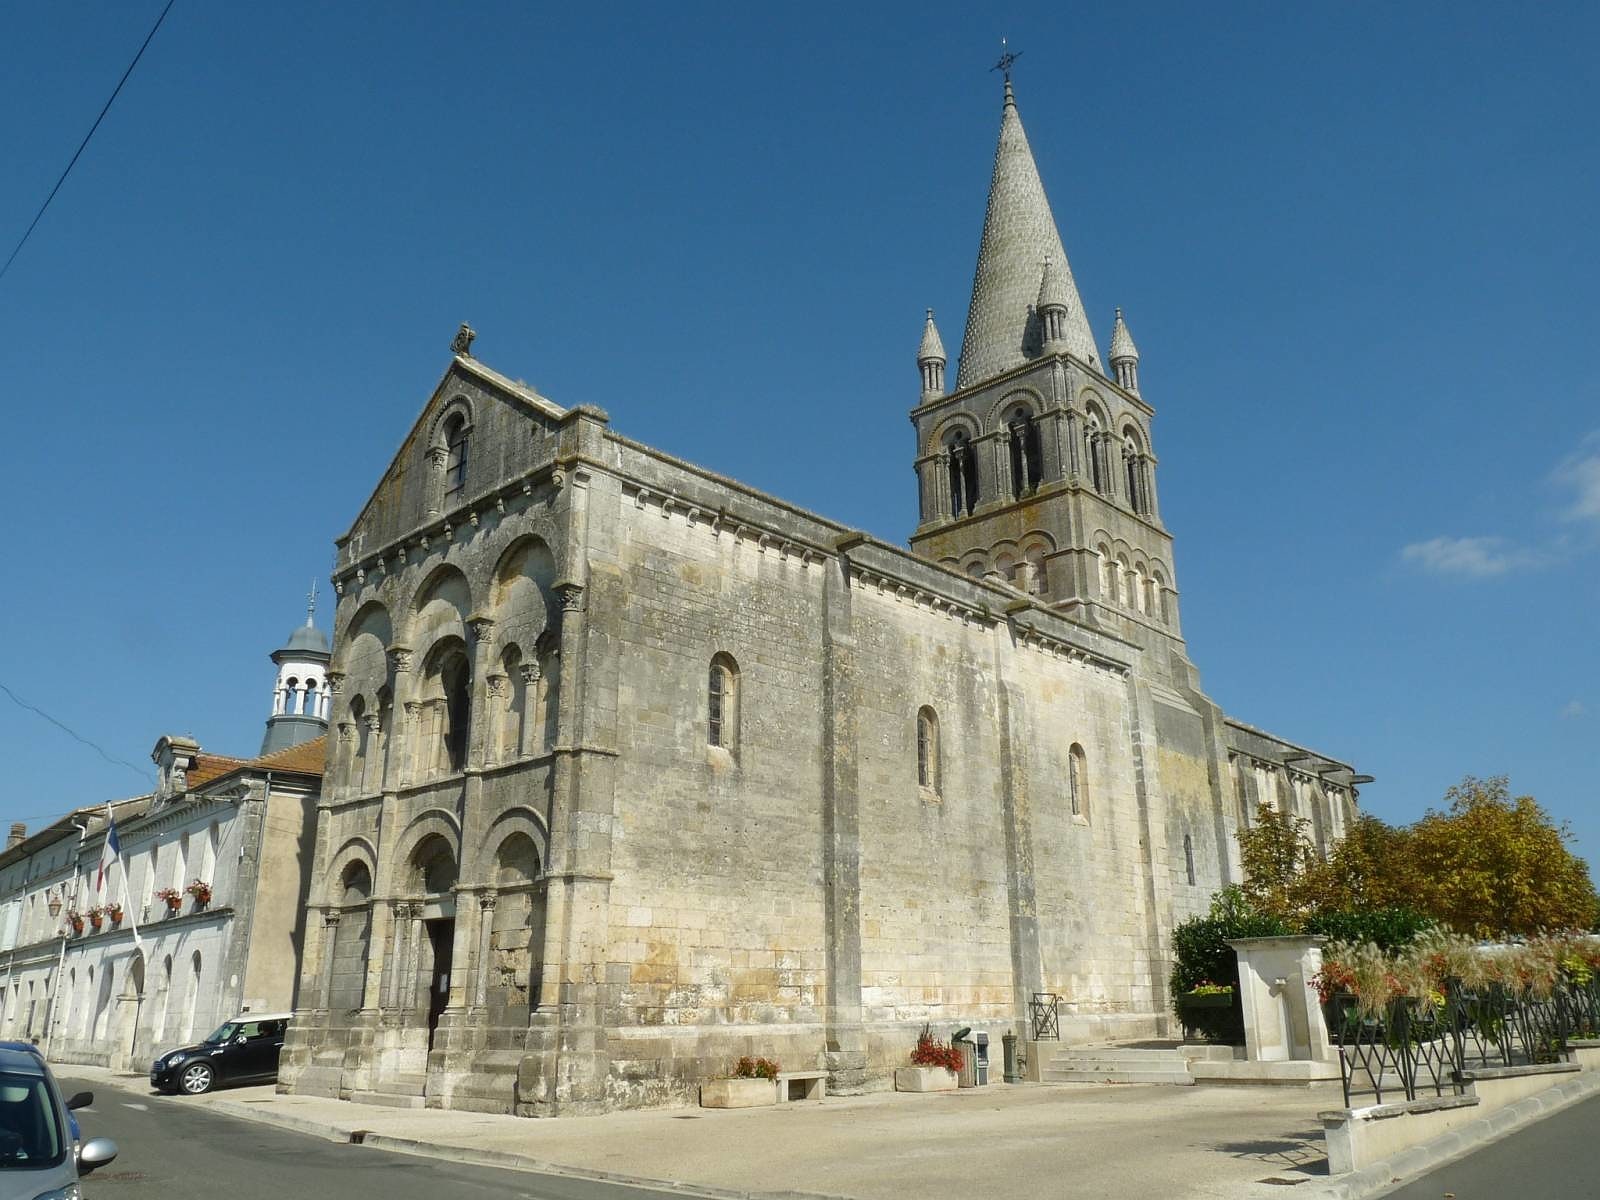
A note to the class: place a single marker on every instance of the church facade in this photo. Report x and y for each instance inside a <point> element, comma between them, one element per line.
<point>636,769</point>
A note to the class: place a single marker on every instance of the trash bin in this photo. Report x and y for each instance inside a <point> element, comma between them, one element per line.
<point>968,1075</point>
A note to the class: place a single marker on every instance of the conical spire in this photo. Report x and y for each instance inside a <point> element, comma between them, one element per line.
<point>1122,341</point>
<point>1052,291</point>
<point>932,347</point>
<point>1019,236</point>
<point>1124,355</point>
<point>931,360</point>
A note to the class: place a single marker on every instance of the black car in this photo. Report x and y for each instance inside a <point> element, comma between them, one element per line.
<point>243,1050</point>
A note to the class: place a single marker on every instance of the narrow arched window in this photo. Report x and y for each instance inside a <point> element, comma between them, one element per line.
<point>455,458</point>
<point>1188,857</point>
<point>1078,781</point>
<point>928,749</point>
<point>310,708</point>
<point>722,703</point>
<point>290,687</point>
<point>962,467</point>
<point>1027,456</point>
<point>456,678</point>
<point>1108,582</point>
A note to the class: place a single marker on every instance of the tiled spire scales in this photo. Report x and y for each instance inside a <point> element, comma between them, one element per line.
<point>1019,237</point>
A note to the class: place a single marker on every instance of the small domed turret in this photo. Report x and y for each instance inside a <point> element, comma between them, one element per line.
<point>931,360</point>
<point>300,698</point>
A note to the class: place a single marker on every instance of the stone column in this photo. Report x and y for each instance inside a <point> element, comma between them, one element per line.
<point>1001,443</point>
<point>438,456</point>
<point>532,707</point>
<point>398,750</point>
<point>498,705</point>
<point>405,761</point>
<point>372,762</point>
<point>330,939</point>
<point>394,964</point>
<point>486,905</point>
<point>482,630</point>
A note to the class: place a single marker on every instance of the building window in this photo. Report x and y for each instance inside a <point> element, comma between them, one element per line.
<point>455,458</point>
<point>722,704</point>
<point>1027,456</point>
<point>1188,857</point>
<point>928,749</point>
<point>963,468</point>
<point>1078,781</point>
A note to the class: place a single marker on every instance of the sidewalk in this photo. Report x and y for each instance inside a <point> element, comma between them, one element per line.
<point>1035,1140</point>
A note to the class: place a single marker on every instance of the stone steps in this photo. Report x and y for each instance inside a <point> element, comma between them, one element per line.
<point>1117,1064</point>
<point>398,1091</point>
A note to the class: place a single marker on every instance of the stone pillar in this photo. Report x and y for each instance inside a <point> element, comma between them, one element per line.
<point>486,905</point>
<point>330,939</point>
<point>398,750</point>
<point>940,470</point>
<point>393,964</point>
<point>372,761</point>
<point>482,629</point>
<point>1282,1011</point>
<point>1001,443</point>
<point>846,1044</point>
<point>438,456</point>
<point>532,709</point>
<point>498,705</point>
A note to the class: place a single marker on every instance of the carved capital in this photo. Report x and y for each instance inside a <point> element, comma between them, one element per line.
<point>400,659</point>
<point>373,722</point>
<point>482,628</point>
<point>330,918</point>
<point>571,596</point>
<point>347,731</point>
<point>413,710</point>
<point>530,672</point>
<point>335,681</point>
<point>496,685</point>
<point>487,901</point>
<point>437,457</point>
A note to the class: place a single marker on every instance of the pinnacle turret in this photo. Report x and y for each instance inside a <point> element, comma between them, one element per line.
<point>1052,309</point>
<point>1004,329</point>
<point>1124,355</point>
<point>931,360</point>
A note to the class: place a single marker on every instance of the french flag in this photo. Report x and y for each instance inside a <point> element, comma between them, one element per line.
<point>111,853</point>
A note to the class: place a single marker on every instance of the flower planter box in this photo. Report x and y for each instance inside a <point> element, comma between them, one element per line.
<point>1208,1000</point>
<point>738,1093</point>
<point>924,1079</point>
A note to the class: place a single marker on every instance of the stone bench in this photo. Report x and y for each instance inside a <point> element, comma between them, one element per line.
<point>802,1085</point>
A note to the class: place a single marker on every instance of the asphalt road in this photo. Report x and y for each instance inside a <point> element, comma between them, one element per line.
<point>1552,1159</point>
<point>171,1148</point>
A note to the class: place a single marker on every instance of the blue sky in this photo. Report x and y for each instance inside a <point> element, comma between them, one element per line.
<point>1356,245</point>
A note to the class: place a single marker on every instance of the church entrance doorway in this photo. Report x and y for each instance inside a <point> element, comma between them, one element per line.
<point>441,940</point>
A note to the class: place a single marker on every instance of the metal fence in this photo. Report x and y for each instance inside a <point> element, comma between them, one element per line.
<point>1045,1010</point>
<point>1416,1048</point>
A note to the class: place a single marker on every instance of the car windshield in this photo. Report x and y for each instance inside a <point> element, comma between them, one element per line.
<point>225,1032</point>
<point>30,1134</point>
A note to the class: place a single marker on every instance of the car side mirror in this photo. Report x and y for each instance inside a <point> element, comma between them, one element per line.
<point>81,1100</point>
<point>96,1153</point>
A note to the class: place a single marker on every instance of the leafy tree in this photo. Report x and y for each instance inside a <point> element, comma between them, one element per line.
<point>1493,864</point>
<point>1277,854</point>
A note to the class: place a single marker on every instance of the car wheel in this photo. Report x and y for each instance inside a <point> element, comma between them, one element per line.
<point>197,1079</point>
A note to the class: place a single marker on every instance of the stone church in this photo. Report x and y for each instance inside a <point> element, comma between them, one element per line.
<point>637,769</point>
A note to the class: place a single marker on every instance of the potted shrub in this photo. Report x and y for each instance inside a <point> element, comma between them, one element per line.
<point>201,891</point>
<point>97,916</point>
<point>754,1083</point>
<point>114,914</point>
<point>172,896</point>
<point>935,1066</point>
<point>1206,1009</point>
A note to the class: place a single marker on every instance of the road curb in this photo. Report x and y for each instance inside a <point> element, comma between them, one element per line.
<point>1404,1167</point>
<point>472,1156</point>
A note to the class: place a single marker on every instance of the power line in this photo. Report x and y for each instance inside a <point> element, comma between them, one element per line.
<point>85,141</point>
<point>74,734</point>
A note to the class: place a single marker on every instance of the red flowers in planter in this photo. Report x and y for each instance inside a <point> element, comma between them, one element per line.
<point>172,896</point>
<point>932,1053</point>
<point>756,1068</point>
<point>200,890</point>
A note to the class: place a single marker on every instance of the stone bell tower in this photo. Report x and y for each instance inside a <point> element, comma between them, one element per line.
<point>1037,470</point>
<point>300,699</point>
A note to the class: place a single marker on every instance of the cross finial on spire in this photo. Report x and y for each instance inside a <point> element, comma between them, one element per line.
<point>311,604</point>
<point>1006,59</point>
